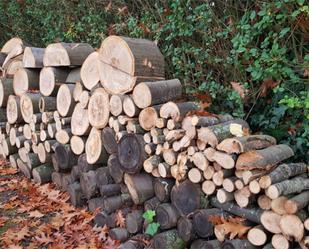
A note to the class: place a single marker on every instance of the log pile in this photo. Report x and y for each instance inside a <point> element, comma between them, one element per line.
<point>109,129</point>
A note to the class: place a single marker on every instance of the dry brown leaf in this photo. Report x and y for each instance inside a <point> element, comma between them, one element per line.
<point>42,239</point>
<point>109,6</point>
<point>267,85</point>
<point>120,219</point>
<point>36,214</point>
<point>239,88</point>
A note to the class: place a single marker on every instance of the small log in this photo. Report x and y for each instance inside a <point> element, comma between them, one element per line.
<point>294,185</point>
<point>110,190</point>
<point>225,160</point>
<point>118,127</point>
<point>7,148</point>
<point>25,80</point>
<point>77,198</point>
<point>65,101</point>
<point>48,117</point>
<point>176,111</point>
<point>152,163</point>
<point>168,240</point>
<point>148,117</point>
<point>195,175</point>
<point>116,104</point>
<point>47,104</point>
<point>223,196</point>
<point>152,203</point>
<point>24,168</point>
<point>257,236</point>
<point>79,122</point>
<point>113,203</point>
<point>208,173</point>
<point>167,216</point>
<point>264,202</point>
<point>271,221</point>
<point>114,168</point>
<point>51,79</point>
<point>134,221</point>
<point>186,197</point>
<point>243,197</point>
<point>6,89</point>
<point>279,241</point>
<point>172,125</point>
<point>42,174</point>
<point>84,99</point>
<point>200,161</point>
<point>95,204</point>
<point>237,244</point>
<point>296,203</point>
<point>63,136</point>
<point>95,150</point>
<point>204,121</point>
<point>190,129</point>
<point>129,107</point>
<point>13,160</point>
<point>265,158</point>
<point>120,234</point>
<point>228,184</point>
<point>185,229</point>
<point>88,184</point>
<point>33,57</point>
<point>292,227</point>
<point>281,173</point>
<point>161,123</point>
<point>164,170</point>
<point>29,104</point>
<point>78,144</point>
<point>51,129</point>
<point>66,54</point>
<point>65,157</point>
<point>23,154</point>
<point>159,92</point>
<point>206,244</point>
<point>213,135</point>
<point>163,188</point>
<point>13,111</point>
<point>150,148</point>
<point>89,71</point>
<point>277,205</point>
<point>43,156</point>
<point>140,187</point>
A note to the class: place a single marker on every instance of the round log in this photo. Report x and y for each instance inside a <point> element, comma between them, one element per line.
<point>237,244</point>
<point>95,150</point>
<point>176,111</point>
<point>168,240</point>
<point>89,72</point>
<point>29,105</point>
<point>114,168</point>
<point>42,174</point>
<point>47,104</point>
<point>129,107</point>
<point>167,215</point>
<point>116,104</point>
<point>109,140</point>
<point>148,116</point>
<point>13,110</point>
<point>33,57</point>
<point>65,101</point>
<point>280,242</point>
<point>78,144</point>
<point>292,226</point>
<point>25,80</point>
<point>79,122</point>
<point>51,79</point>
<point>134,221</point>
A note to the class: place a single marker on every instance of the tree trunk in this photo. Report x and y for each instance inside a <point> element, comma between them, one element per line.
<point>114,168</point>
<point>109,140</point>
<point>137,60</point>
<point>33,57</point>
<point>281,173</point>
<point>65,101</point>
<point>134,221</point>
<point>51,79</point>
<point>158,92</point>
<point>6,89</point>
<point>168,240</point>
<point>140,187</point>
<point>79,122</point>
<point>247,143</point>
<point>42,174</point>
<point>89,71</point>
<point>66,54</point>
<point>167,216</point>
<point>265,158</point>
<point>148,117</point>
<point>177,111</point>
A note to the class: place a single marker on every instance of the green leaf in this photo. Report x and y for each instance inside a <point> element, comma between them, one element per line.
<point>152,228</point>
<point>284,31</point>
<point>301,2</point>
<point>148,215</point>
<point>252,15</point>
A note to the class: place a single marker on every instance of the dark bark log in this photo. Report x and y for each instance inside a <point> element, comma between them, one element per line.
<point>152,203</point>
<point>120,234</point>
<point>67,179</point>
<point>168,240</point>
<point>56,178</point>
<point>109,140</point>
<point>77,198</point>
<point>102,176</point>
<point>132,244</point>
<point>42,174</point>
<point>114,168</point>
<point>111,204</point>
<point>103,218</point>
<point>206,244</point>
<point>66,159</point>
<point>185,229</point>
<point>134,221</point>
<point>238,244</point>
<point>110,190</point>
<point>88,184</point>
<point>95,203</point>
<point>163,188</point>
<point>167,215</point>
<point>24,168</point>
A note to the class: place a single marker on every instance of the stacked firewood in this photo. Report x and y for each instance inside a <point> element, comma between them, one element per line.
<point>108,128</point>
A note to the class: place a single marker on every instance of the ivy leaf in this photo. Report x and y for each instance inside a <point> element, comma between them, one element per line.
<point>148,215</point>
<point>284,31</point>
<point>152,228</point>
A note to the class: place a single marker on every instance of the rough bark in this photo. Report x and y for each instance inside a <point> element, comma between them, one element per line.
<point>114,168</point>
<point>168,240</point>
<point>176,111</point>
<point>6,89</point>
<point>42,174</point>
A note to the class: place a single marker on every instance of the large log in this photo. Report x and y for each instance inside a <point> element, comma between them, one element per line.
<point>51,79</point>
<point>177,111</point>
<point>33,57</point>
<point>66,54</point>
<point>125,61</point>
<point>148,117</point>
<point>95,150</point>
<point>131,153</point>
<point>25,80</point>
<point>158,92</point>
<point>168,240</point>
<point>281,173</point>
<point>79,122</point>
<point>185,228</point>
<point>42,174</point>
<point>13,110</point>
<point>140,187</point>
<point>89,72</point>
<point>65,101</point>
<point>73,76</point>
<point>98,108</point>
<point>6,89</point>
<point>265,158</point>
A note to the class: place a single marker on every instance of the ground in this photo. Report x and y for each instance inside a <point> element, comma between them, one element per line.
<point>34,216</point>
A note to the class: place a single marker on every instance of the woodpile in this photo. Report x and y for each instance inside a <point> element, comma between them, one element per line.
<point>106,127</point>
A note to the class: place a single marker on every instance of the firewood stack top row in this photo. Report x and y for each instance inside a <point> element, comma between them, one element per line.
<point>108,128</point>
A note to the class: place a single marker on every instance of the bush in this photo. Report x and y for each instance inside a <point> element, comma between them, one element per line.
<point>248,58</point>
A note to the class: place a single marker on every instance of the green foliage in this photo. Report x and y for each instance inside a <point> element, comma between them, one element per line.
<point>152,227</point>
<point>262,45</point>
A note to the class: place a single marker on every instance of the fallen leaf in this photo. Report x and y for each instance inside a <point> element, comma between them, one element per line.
<point>239,88</point>
<point>3,221</point>
<point>120,220</point>
<point>36,214</point>
<point>266,85</point>
<point>43,239</point>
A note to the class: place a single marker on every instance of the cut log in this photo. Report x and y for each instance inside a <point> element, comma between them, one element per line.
<point>66,54</point>
<point>209,172</point>
<point>131,153</point>
<point>271,221</point>
<point>292,227</point>
<point>88,184</point>
<point>110,190</point>
<point>95,204</point>
<point>243,144</point>
<point>11,44</point>
<point>33,57</point>
<point>117,126</point>
<point>14,49</point>
<point>225,160</point>
<point>78,144</point>
<point>281,173</point>
<point>152,163</point>
<point>295,185</point>
<point>265,158</point>
<point>206,244</point>
<point>7,148</point>
<point>98,108</point>
<point>254,187</point>
<point>77,198</point>
<point>164,170</point>
<point>29,105</point>
<point>277,205</point>
<point>151,204</point>
<point>95,150</point>
<point>6,89</point>
<point>186,197</point>
<point>84,99</point>
<point>114,168</point>
<point>120,234</point>
<point>123,60</point>
<point>78,89</point>
<point>42,174</point>
<point>79,122</point>
<point>161,123</point>
<point>148,116</point>
<point>51,129</point>
<point>12,65</point>
<point>63,136</point>
<point>297,203</point>
<point>224,196</point>
<point>150,149</point>
<point>116,104</point>
<point>47,104</point>
<point>257,236</point>
<point>213,135</point>
<point>129,107</point>
<point>167,215</point>
<point>176,111</point>
<point>168,240</point>
<point>243,197</point>
<point>111,204</point>
<point>13,110</point>
<point>65,101</point>
<point>51,79</point>
<point>24,168</point>
<point>200,161</point>
<point>13,160</point>
<point>134,221</point>
<point>158,92</point>
<point>19,141</point>
<point>195,175</point>
<point>228,184</point>
<point>185,229</point>
<point>64,157</point>
<point>140,187</point>
<point>279,241</point>
<point>163,188</point>
<point>264,202</point>
<point>237,244</point>
<point>25,80</point>
<point>89,72</point>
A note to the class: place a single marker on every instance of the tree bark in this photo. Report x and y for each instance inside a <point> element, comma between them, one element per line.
<point>110,190</point>
<point>167,216</point>
<point>120,234</point>
<point>163,188</point>
<point>33,57</point>
<point>6,89</point>
<point>42,174</point>
<point>114,168</point>
<point>134,221</point>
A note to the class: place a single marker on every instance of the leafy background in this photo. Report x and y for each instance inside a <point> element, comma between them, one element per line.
<point>248,58</point>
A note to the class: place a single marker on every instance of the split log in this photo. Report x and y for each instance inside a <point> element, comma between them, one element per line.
<point>77,198</point>
<point>200,161</point>
<point>89,72</point>
<point>65,101</point>
<point>279,241</point>
<point>13,110</point>
<point>11,44</point>
<point>95,150</point>
<point>15,50</point>
<point>292,227</point>
<point>42,174</point>
<point>11,67</point>
<point>265,158</point>
<point>167,215</point>
<point>47,104</point>
<point>206,244</point>
<point>129,107</point>
<point>237,244</point>
<point>134,221</point>
<point>78,144</point>
<point>79,122</point>
<point>168,240</point>
<point>51,79</point>
<point>281,173</point>
<point>163,188</point>
<point>140,187</point>
<point>176,111</point>
<point>186,197</point>
<point>25,80</point>
<point>66,54</point>
<point>158,92</point>
<point>98,108</point>
<point>6,89</point>
<point>116,104</point>
<point>29,105</point>
<point>125,61</point>
<point>257,236</point>
<point>33,57</point>
<point>131,153</point>
<point>243,144</point>
<point>148,117</point>
<point>213,135</point>
<point>296,203</point>
<point>294,185</point>
<point>114,168</point>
